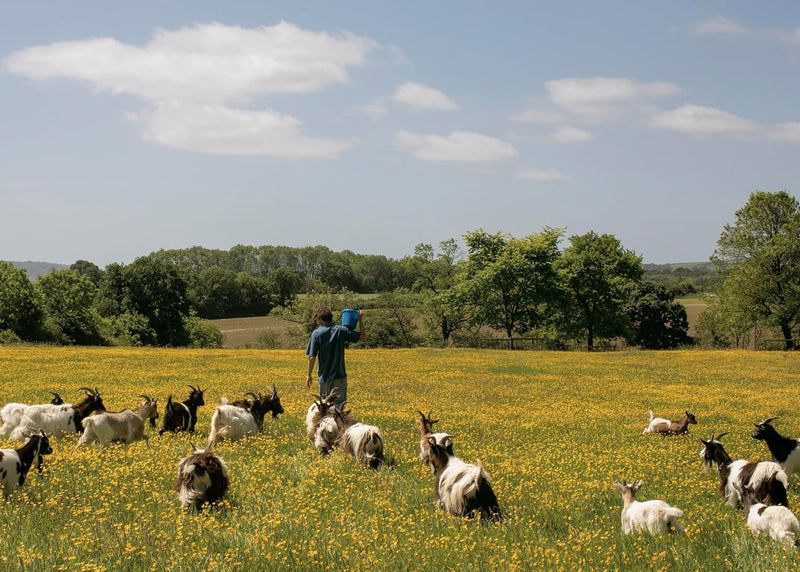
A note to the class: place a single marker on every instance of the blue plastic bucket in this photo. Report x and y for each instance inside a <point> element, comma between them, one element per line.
<point>350,318</point>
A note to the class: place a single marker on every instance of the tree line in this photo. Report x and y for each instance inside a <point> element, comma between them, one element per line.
<point>559,291</point>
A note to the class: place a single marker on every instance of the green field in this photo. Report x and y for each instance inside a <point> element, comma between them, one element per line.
<point>553,430</point>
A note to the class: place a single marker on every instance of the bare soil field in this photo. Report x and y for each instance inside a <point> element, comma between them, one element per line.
<point>253,332</point>
<point>694,307</point>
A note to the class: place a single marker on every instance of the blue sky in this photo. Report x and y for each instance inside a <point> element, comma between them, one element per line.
<point>374,126</point>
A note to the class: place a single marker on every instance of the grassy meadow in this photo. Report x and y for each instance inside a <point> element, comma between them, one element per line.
<point>553,430</point>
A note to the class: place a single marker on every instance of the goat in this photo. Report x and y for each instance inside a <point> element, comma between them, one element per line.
<point>462,489</point>
<point>785,451</point>
<point>182,416</point>
<point>241,418</point>
<point>777,521</point>
<point>15,463</point>
<point>425,424</point>
<point>57,399</point>
<point>363,441</point>
<point>667,427</point>
<point>321,427</point>
<point>124,426</point>
<point>11,413</point>
<point>202,478</point>
<point>767,478</point>
<point>654,516</point>
<point>52,419</point>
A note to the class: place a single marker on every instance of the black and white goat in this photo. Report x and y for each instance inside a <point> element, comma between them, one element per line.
<point>667,427</point>
<point>19,419</point>
<point>363,441</point>
<point>767,479</point>
<point>462,489</point>
<point>653,516</point>
<point>321,427</point>
<point>123,426</point>
<point>243,417</point>
<point>15,463</point>
<point>182,416</point>
<point>202,478</point>
<point>785,451</point>
<point>778,521</point>
<point>11,413</point>
<point>425,424</point>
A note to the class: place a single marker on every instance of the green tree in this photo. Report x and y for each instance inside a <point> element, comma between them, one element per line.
<point>656,321</point>
<point>88,269</point>
<point>512,281</point>
<point>67,299</point>
<point>284,284</point>
<point>759,255</point>
<point>20,311</point>
<point>597,273</point>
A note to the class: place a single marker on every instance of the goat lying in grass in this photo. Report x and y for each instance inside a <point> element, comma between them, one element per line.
<point>777,521</point>
<point>667,427</point>
<point>653,516</point>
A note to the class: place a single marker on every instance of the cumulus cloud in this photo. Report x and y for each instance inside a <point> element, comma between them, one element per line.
<point>226,131</point>
<point>570,135</point>
<point>702,120</point>
<point>460,146</point>
<point>422,96</point>
<point>538,116</point>
<point>722,26</point>
<point>207,62</point>
<point>538,175</point>
<point>598,96</point>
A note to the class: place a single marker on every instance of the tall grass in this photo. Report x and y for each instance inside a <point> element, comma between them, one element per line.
<point>553,429</point>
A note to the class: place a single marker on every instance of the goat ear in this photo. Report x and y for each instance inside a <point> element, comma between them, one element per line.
<point>431,440</point>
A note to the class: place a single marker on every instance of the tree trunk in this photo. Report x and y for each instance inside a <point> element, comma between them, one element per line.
<point>787,336</point>
<point>590,338</point>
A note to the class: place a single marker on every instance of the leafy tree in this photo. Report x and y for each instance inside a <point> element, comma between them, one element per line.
<point>215,293</point>
<point>284,284</point>
<point>67,299</point>
<point>760,257</point>
<point>597,272</point>
<point>656,321</point>
<point>512,281</point>
<point>88,269</point>
<point>20,310</point>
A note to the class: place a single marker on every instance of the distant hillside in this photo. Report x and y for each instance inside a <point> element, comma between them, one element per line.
<point>36,269</point>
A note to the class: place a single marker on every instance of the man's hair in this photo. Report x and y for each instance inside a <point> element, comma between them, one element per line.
<point>322,313</point>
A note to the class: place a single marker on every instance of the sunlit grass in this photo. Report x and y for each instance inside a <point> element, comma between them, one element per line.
<point>553,429</point>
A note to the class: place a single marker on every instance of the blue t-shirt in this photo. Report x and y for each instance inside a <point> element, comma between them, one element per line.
<point>327,345</point>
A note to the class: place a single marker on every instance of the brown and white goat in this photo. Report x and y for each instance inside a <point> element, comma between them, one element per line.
<point>667,427</point>
<point>321,427</point>
<point>202,478</point>
<point>363,441</point>
<point>123,426</point>
<point>766,478</point>
<point>182,416</point>
<point>778,521</point>
<point>261,404</point>
<point>425,424</point>
<point>462,489</point>
<point>243,417</point>
<point>15,463</point>
<point>57,420</point>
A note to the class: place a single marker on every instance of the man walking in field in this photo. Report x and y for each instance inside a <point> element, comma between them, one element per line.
<point>327,345</point>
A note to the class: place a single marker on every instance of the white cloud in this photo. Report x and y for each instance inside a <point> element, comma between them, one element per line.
<point>225,131</point>
<point>537,116</point>
<point>374,109</point>
<point>598,96</point>
<point>461,146</point>
<point>211,63</point>
<point>701,120</point>
<point>538,175</point>
<point>422,96</point>
<point>570,135</point>
<point>785,132</point>
<point>721,26</point>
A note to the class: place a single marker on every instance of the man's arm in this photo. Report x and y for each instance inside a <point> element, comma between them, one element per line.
<point>311,361</point>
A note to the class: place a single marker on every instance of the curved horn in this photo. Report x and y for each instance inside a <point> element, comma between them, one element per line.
<point>88,390</point>
<point>768,420</point>
<point>192,387</point>
<point>54,394</point>
<point>721,435</point>
<point>251,393</point>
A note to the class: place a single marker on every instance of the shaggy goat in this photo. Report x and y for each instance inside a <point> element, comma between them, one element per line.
<point>785,451</point>
<point>425,424</point>
<point>667,427</point>
<point>52,419</point>
<point>766,478</point>
<point>654,516</point>
<point>125,426</point>
<point>15,463</point>
<point>363,441</point>
<point>777,521</point>
<point>461,489</point>
<point>241,418</point>
<point>321,427</point>
<point>182,416</point>
<point>202,478</point>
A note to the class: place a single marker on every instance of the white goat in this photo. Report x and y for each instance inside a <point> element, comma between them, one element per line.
<point>363,441</point>
<point>653,516</point>
<point>58,420</point>
<point>777,521</point>
<point>321,427</point>
<point>15,463</point>
<point>666,427</point>
<point>231,422</point>
<point>125,426</point>
<point>202,478</point>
